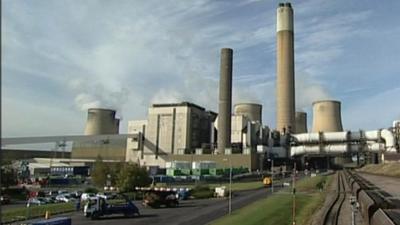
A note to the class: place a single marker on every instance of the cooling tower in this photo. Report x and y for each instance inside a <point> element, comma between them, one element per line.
<point>225,101</point>
<point>301,122</point>
<point>101,121</point>
<point>285,93</point>
<point>250,110</point>
<point>327,116</point>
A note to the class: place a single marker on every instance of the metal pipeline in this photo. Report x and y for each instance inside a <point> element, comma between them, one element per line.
<point>335,148</point>
<point>329,138</point>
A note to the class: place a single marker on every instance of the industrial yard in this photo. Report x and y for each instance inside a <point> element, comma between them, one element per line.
<point>185,160</point>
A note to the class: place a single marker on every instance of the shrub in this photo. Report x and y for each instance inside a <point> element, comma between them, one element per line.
<point>91,190</point>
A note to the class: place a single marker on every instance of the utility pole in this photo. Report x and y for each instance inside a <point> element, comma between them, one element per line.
<point>272,175</point>
<point>230,187</point>
<point>230,184</point>
<point>294,195</point>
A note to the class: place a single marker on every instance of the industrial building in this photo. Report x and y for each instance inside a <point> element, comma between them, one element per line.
<point>20,154</point>
<point>100,122</point>
<point>187,134</point>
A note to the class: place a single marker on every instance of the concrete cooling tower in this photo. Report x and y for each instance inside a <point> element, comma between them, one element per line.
<point>285,98</point>
<point>225,101</point>
<point>250,110</point>
<point>301,122</point>
<point>327,116</point>
<point>101,121</point>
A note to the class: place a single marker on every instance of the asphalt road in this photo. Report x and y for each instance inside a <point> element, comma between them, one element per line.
<point>193,212</point>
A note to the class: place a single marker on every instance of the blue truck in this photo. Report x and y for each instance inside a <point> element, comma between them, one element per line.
<point>100,207</point>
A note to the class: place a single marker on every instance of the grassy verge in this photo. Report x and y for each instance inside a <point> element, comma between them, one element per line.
<point>387,169</point>
<point>277,209</point>
<point>24,213</point>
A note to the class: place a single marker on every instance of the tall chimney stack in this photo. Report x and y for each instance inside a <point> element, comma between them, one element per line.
<point>285,93</point>
<point>225,101</point>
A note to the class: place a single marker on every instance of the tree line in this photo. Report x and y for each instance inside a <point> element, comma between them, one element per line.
<point>124,175</point>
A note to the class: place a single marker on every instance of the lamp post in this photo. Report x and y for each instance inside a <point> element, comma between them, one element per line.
<point>230,185</point>
<point>272,173</point>
<point>294,195</point>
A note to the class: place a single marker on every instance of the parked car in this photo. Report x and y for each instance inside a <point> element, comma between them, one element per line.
<point>107,195</point>
<point>65,198</point>
<point>5,199</point>
<point>61,192</point>
<point>36,201</point>
<point>88,196</point>
<point>51,199</point>
<point>76,194</point>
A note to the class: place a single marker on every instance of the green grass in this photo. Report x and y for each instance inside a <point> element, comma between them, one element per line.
<point>277,209</point>
<point>310,184</point>
<point>23,213</point>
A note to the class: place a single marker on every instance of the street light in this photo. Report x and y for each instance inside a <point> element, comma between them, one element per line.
<point>230,185</point>
<point>272,173</point>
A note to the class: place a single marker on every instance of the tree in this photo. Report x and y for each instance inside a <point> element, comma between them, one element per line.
<point>114,170</point>
<point>99,172</point>
<point>131,176</point>
<point>8,176</point>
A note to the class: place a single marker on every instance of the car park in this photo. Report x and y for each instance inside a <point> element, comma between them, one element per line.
<point>88,196</point>
<point>65,198</point>
<point>51,199</point>
<point>76,194</point>
<point>5,199</point>
<point>36,201</point>
<point>107,195</point>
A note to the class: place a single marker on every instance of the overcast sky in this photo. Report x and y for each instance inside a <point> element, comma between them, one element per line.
<point>61,57</point>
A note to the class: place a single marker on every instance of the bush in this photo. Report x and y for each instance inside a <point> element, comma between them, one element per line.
<point>91,190</point>
<point>131,176</point>
<point>16,193</point>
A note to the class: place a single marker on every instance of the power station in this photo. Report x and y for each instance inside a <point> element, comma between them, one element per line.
<point>184,133</point>
<point>187,132</point>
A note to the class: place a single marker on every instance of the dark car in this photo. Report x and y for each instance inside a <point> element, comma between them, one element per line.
<point>5,199</point>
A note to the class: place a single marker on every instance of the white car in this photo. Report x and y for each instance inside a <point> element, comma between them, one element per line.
<point>107,195</point>
<point>65,198</point>
<point>88,196</point>
<point>35,201</point>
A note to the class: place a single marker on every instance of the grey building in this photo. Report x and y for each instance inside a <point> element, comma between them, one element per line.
<point>170,129</point>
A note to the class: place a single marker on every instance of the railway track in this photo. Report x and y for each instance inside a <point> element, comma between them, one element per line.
<point>331,216</point>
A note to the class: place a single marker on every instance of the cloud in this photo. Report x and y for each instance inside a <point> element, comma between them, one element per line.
<point>309,91</point>
<point>376,111</point>
<point>25,118</point>
<point>90,94</point>
<point>129,54</point>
